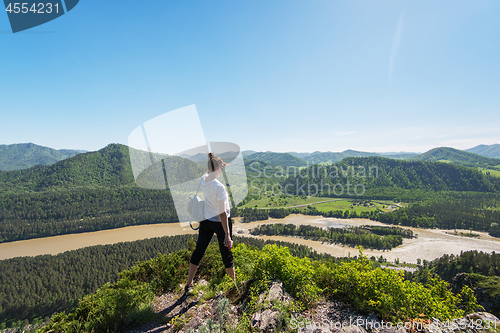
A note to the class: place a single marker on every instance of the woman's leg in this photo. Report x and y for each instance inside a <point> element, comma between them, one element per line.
<point>204,236</point>
<point>227,255</point>
<point>191,273</point>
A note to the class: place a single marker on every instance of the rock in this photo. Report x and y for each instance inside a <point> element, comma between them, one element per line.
<point>353,329</point>
<point>267,321</point>
<point>489,303</point>
<point>194,323</point>
<point>392,330</point>
<point>483,316</point>
<point>275,291</point>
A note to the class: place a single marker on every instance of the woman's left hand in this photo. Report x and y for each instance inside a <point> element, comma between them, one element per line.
<point>228,242</point>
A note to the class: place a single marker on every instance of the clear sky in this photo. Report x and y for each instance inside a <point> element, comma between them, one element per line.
<point>280,75</point>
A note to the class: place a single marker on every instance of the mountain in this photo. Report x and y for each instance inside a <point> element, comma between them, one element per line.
<point>277,158</point>
<point>107,167</point>
<point>400,155</point>
<point>460,157</point>
<point>245,153</point>
<point>301,155</point>
<point>25,155</point>
<point>331,157</point>
<point>379,174</point>
<point>492,151</point>
<point>89,192</point>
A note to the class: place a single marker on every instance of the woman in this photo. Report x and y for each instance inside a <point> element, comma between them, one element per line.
<point>216,220</point>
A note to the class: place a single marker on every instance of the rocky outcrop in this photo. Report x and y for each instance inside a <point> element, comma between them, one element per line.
<point>190,315</point>
<point>267,319</point>
<point>489,303</point>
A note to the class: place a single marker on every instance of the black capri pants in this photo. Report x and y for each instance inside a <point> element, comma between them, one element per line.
<point>206,231</point>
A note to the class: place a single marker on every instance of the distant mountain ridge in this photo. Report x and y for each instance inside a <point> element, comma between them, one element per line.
<point>479,156</point>
<point>107,167</point>
<point>277,158</point>
<point>492,151</point>
<point>460,157</point>
<point>327,157</point>
<point>26,155</point>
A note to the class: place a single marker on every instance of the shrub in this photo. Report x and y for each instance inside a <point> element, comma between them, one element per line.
<point>163,273</point>
<point>386,293</point>
<point>110,309</point>
<point>297,274</point>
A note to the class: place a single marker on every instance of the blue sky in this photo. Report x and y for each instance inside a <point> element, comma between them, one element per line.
<point>281,75</point>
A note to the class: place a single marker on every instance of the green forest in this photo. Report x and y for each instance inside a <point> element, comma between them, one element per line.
<point>375,237</point>
<point>49,213</point>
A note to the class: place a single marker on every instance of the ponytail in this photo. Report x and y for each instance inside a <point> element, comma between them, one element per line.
<point>214,162</point>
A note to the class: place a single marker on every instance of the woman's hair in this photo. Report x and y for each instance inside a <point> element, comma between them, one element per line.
<point>214,162</point>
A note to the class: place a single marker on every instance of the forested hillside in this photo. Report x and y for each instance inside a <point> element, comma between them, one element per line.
<point>25,155</point>
<point>330,157</point>
<point>443,195</point>
<point>88,192</point>
<point>50,213</point>
<point>460,157</point>
<point>108,167</point>
<point>446,215</point>
<point>492,151</point>
<point>276,158</point>
<point>378,173</point>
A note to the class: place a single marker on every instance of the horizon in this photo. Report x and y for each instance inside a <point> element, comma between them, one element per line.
<point>269,151</point>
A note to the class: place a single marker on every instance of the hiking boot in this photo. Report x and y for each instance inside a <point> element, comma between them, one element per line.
<point>188,289</point>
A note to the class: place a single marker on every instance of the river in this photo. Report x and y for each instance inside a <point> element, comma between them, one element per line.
<point>430,243</point>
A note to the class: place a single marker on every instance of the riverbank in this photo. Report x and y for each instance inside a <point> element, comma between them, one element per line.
<point>429,244</point>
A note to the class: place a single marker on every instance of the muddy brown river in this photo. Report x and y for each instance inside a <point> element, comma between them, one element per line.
<point>430,243</point>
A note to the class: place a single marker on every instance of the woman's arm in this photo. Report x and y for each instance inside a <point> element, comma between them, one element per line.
<point>225,223</point>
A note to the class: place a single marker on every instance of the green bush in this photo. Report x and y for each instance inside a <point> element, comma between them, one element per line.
<point>297,274</point>
<point>386,293</point>
<point>110,309</point>
<point>163,273</point>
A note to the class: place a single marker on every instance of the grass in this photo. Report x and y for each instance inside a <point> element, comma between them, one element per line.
<point>390,203</point>
<point>492,172</point>
<point>351,205</point>
<point>282,201</point>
